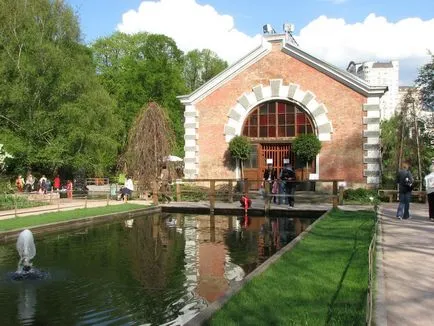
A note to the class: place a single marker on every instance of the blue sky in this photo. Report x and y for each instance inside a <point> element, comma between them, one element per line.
<point>324,28</point>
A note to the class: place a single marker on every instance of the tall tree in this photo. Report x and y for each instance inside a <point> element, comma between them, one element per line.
<point>140,68</point>
<point>425,84</point>
<point>405,138</point>
<point>201,66</point>
<point>53,112</point>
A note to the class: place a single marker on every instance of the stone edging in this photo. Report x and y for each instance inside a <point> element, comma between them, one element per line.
<point>9,236</point>
<point>207,313</point>
<point>380,312</point>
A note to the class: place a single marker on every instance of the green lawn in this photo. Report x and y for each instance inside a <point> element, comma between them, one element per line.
<point>322,281</point>
<point>33,220</point>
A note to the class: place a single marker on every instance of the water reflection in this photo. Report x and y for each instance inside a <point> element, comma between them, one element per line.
<point>160,269</point>
<point>27,302</point>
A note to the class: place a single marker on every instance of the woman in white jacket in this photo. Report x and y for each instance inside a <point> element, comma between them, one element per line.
<point>429,183</point>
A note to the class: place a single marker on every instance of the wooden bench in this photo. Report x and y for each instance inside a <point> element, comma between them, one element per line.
<point>392,194</point>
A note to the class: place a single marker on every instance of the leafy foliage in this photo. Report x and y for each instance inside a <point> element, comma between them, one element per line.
<point>361,195</point>
<point>138,69</point>
<point>53,112</point>
<point>11,201</point>
<point>399,141</point>
<point>240,148</point>
<point>201,66</point>
<point>306,147</point>
<point>425,83</point>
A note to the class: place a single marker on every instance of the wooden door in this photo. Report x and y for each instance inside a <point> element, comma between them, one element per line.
<point>277,152</point>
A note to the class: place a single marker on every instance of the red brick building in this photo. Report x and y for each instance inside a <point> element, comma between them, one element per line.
<point>273,94</point>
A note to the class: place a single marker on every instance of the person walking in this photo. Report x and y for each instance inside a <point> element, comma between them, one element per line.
<point>429,184</point>
<point>288,176</point>
<point>404,179</point>
<point>165,184</point>
<point>270,174</point>
<point>282,185</point>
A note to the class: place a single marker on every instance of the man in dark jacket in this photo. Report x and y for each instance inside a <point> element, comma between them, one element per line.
<point>270,174</point>
<point>404,179</point>
<point>288,176</point>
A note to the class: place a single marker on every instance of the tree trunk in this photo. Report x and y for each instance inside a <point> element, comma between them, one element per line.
<point>418,149</point>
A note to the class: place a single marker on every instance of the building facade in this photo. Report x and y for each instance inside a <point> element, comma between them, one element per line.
<point>381,73</point>
<point>273,94</point>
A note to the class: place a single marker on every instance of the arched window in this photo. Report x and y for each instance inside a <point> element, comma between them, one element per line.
<point>277,119</point>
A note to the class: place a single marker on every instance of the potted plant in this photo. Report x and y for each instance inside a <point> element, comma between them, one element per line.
<point>306,147</point>
<point>240,149</point>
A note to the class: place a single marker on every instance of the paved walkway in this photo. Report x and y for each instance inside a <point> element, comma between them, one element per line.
<point>64,205</point>
<point>405,268</point>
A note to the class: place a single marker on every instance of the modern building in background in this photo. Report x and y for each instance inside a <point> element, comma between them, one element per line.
<point>380,73</point>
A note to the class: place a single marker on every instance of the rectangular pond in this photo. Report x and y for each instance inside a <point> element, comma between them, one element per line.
<point>153,270</point>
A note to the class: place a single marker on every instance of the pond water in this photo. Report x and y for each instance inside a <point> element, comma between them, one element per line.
<point>153,270</point>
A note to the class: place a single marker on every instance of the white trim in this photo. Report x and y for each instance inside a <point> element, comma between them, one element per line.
<point>344,77</point>
<point>255,55</point>
<point>372,170</point>
<point>248,101</point>
<point>191,147</point>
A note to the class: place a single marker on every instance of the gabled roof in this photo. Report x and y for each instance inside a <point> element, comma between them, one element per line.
<point>342,76</point>
<point>355,83</point>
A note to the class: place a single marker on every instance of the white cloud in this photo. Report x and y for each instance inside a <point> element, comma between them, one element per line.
<point>375,38</point>
<point>191,25</point>
<point>195,26</point>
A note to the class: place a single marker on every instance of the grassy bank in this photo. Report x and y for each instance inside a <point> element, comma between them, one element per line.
<point>322,281</point>
<point>33,220</point>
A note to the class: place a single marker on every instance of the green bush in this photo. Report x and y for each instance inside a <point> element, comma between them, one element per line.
<point>191,192</point>
<point>306,147</point>
<point>5,186</point>
<point>7,201</point>
<point>239,147</point>
<point>361,195</point>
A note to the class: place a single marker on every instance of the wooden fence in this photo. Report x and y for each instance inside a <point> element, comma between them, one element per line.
<point>228,190</point>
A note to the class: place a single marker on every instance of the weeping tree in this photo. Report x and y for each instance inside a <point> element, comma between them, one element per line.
<point>150,140</point>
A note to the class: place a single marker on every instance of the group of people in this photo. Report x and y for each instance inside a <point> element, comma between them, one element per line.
<point>280,185</point>
<point>281,188</point>
<point>43,185</point>
<point>404,180</point>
